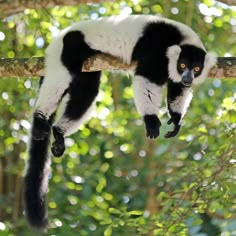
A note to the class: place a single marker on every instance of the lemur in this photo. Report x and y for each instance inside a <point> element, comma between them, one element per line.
<point>165,52</point>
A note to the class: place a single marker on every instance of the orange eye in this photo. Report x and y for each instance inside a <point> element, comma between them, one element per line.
<point>196,69</point>
<point>182,65</point>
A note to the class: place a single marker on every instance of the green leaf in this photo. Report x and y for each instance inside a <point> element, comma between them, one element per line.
<point>114,211</point>
<point>135,212</point>
<point>108,231</point>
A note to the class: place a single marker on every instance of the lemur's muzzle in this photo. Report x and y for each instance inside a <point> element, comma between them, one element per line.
<point>187,78</point>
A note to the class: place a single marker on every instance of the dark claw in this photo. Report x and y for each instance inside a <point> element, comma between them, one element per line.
<point>152,133</point>
<point>170,121</point>
<point>173,133</point>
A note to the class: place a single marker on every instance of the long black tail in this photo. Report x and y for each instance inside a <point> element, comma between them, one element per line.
<point>36,182</point>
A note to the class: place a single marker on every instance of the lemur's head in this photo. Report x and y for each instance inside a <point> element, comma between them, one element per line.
<point>189,64</point>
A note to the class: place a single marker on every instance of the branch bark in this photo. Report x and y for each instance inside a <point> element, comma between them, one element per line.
<point>33,67</point>
<point>228,2</point>
<point>9,7</point>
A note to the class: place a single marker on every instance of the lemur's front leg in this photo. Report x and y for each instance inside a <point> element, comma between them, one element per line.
<point>178,100</point>
<point>147,97</point>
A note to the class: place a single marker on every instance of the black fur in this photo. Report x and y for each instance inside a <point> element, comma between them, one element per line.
<point>175,118</point>
<point>150,51</point>
<point>82,91</point>
<point>153,125</point>
<point>75,51</point>
<point>35,180</point>
<point>58,146</point>
<point>80,100</point>
<point>34,196</point>
<point>41,127</point>
<point>152,63</point>
<point>41,81</point>
<point>174,90</point>
<point>191,56</point>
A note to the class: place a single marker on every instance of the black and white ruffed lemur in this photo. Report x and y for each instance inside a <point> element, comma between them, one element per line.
<point>166,52</point>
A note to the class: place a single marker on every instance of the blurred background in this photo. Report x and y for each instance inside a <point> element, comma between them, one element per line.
<point>112,180</point>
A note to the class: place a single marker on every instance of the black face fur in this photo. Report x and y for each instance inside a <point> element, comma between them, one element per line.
<point>191,58</point>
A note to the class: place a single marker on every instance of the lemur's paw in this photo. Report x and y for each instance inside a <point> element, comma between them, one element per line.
<point>152,124</point>
<point>176,120</point>
<point>152,133</point>
<point>174,132</point>
<point>58,148</point>
<point>41,128</point>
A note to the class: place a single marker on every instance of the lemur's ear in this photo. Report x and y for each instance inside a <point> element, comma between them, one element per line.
<point>172,54</point>
<point>210,60</point>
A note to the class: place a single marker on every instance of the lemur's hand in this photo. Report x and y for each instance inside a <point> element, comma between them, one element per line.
<point>175,119</point>
<point>153,125</point>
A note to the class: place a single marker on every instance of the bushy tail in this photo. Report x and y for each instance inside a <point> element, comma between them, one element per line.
<point>36,182</point>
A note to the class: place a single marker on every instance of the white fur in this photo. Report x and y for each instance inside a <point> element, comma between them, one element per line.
<point>69,126</point>
<point>172,54</point>
<point>56,80</point>
<point>117,35</point>
<point>209,62</point>
<point>143,88</point>
<point>181,103</point>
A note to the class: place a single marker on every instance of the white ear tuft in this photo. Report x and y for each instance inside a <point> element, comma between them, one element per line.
<point>172,54</point>
<point>210,60</point>
<point>173,51</point>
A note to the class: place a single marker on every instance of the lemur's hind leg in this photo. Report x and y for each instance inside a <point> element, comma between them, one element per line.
<point>52,88</point>
<point>61,66</point>
<point>81,96</point>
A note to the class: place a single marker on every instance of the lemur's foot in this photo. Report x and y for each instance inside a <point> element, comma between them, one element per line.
<point>153,125</point>
<point>41,127</point>
<point>58,146</point>
<point>175,119</point>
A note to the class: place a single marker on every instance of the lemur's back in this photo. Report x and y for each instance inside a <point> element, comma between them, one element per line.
<point>118,35</point>
<point>115,35</point>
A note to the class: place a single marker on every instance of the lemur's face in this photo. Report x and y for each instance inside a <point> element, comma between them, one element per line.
<point>190,63</point>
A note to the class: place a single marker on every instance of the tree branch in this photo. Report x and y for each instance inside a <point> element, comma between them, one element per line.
<point>228,2</point>
<point>32,67</point>
<point>9,7</point>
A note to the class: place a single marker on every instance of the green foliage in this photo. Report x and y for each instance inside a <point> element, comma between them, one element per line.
<point>112,180</point>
